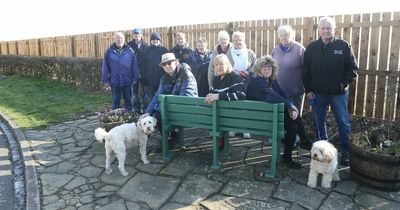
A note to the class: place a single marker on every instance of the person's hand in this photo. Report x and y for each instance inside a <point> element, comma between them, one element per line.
<point>143,116</point>
<point>212,97</point>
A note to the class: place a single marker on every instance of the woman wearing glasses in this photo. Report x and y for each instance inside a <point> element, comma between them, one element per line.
<point>263,86</point>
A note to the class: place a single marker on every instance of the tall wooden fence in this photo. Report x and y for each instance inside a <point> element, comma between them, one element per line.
<point>375,39</point>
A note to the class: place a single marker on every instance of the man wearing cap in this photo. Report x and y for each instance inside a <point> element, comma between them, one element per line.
<point>120,71</point>
<point>138,45</point>
<point>150,71</point>
<point>177,80</point>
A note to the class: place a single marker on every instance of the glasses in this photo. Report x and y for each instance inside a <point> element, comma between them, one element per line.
<point>166,63</point>
<point>269,67</point>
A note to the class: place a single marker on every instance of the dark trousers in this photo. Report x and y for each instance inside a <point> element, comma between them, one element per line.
<point>292,128</point>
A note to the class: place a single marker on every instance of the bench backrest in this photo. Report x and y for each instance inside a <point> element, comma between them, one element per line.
<point>240,116</point>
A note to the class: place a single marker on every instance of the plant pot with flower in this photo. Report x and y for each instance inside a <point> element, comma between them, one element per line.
<point>111,118</point>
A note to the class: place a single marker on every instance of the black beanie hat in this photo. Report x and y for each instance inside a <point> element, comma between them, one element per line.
<point>154,36</point>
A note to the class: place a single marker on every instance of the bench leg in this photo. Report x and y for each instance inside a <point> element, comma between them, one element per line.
<point>215,164</point>
<point>165,149</point>
<point>271,172</point>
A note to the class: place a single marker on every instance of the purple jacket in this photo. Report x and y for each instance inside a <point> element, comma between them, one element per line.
<point>119,68</point>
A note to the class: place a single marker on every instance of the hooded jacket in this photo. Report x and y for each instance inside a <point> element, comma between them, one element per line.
<point>119,68</point>
<point>182,83</point>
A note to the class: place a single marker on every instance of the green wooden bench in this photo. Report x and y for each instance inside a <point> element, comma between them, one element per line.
<point>220,117</point>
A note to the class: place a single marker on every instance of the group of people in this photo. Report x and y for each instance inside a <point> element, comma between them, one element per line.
<point>231,71</point>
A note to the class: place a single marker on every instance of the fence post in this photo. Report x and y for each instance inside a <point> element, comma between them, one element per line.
<point>96,46</point>
<point>73,46</point>
<point>170,38</point>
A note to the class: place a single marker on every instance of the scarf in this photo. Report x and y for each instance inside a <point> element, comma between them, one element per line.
<point>240,59</point>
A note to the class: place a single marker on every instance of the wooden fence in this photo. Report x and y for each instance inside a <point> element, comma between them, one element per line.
<point>375,39</point>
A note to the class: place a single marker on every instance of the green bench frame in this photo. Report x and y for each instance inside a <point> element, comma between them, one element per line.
<point>220,117</point>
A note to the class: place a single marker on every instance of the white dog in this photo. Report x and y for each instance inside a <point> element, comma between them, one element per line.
<point>126,136</point>
<point>324,161</point>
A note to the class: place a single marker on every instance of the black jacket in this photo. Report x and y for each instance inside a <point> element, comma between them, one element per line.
<point>328,69</point>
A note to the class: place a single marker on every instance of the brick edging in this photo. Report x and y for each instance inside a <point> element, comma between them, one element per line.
<point>31,179</point>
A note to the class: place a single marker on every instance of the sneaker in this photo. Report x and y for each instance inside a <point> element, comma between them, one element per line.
<point>291,163</point>
<point>344,159</point>
<point>306,145</point>
<point>246,135</point>
<point>232,134</point>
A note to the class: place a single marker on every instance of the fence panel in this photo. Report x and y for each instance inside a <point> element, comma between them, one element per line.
<point>34,48</point>
<point>47,47</point>
<point>63,46</point>
<point>84,46</point>
<point>12,48</point>
<point>4,48</point>
<point>23,47</point>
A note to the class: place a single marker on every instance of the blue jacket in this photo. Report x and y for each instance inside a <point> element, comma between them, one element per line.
<point>182,83</point>
<point>260,89</point>
<point>119,69</point>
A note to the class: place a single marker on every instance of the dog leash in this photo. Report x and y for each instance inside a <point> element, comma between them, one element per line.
<point>312,104</point>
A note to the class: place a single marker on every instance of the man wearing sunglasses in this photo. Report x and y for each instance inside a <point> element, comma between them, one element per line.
<point>177,80</point>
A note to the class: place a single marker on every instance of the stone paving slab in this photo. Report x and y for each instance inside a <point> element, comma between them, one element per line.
<point>70,167</point>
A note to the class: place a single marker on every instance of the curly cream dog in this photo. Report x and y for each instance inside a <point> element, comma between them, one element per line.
<point>324,161</point>
<point>126,136</point>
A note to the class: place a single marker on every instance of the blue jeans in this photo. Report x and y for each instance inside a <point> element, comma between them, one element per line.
<point>338,104</point>
<point>136,98</point>
<point>126,92</point>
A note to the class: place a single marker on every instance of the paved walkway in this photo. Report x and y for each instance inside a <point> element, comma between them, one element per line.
<point>6,176</point>
<point>70,167</point>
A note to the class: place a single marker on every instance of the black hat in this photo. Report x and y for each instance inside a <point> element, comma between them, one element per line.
<point>154,36</point>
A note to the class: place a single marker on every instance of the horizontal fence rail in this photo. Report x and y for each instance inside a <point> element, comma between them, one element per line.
<point>375,38</point>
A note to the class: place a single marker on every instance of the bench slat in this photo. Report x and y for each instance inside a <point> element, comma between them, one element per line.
<point>249,105</point>
<point>246,124</point>
<point>246,114</point>
<point>180,108</point>
<point>190,118</point>
<point>184,100</point>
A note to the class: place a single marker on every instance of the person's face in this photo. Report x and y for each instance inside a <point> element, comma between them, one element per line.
<point>180,40</point>
<point>326,31</point>
<point>220,68</point>
<point>223,42</point>
<point>237,42</point>
<point>201,47</point>
<point>169,67</point>
<point>137,36</point>
<point>119,40</point>
<point>266,71</point>
<point>284,38</point>
<point>155,42</point>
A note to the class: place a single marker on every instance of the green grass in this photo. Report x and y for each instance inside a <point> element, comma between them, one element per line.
<point>35,103</point>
